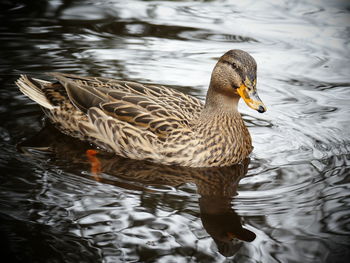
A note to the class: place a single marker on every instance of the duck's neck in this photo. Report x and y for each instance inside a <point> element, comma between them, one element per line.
<point>220,124</point>
<point>219,102</point>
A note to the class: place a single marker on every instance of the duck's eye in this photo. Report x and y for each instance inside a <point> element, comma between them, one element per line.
<point>231,64</point>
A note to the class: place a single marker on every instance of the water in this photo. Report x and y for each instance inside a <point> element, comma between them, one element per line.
<point>288,203</point>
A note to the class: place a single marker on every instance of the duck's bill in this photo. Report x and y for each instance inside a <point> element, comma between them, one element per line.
<point>251,98</point>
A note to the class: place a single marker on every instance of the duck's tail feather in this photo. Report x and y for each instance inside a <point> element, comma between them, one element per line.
<point>33,89</point>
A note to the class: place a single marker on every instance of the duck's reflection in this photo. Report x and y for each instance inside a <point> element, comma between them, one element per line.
<point>216,186</point>
<point>223,224</point>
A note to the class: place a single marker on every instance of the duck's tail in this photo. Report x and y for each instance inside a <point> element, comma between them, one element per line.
<point>33,89</point>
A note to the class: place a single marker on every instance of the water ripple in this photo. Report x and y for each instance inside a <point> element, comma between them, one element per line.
<point>290,204</point>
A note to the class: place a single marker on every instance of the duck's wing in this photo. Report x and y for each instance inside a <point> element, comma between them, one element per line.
<point>157,109</point>
<point>174,102</point>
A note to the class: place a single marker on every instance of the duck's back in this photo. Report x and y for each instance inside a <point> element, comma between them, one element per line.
<point>84,91</point>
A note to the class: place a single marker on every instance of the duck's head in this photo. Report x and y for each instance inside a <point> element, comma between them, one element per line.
<point>234,77</point>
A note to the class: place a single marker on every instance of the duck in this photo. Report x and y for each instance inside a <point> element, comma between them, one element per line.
<point>153,122</point>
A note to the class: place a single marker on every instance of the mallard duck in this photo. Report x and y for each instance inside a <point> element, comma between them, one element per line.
<point>154,122</point>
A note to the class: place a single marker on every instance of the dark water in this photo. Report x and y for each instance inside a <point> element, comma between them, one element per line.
<point>289,203</point>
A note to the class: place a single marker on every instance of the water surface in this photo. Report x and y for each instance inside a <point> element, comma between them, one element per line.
<point>288,203</point>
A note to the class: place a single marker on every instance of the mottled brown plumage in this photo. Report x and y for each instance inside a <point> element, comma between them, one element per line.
<point>152,122</point>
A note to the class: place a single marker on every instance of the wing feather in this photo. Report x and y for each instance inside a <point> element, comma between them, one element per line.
<point>126,140</point>
<point>156,109</point>
<point>174,102</point>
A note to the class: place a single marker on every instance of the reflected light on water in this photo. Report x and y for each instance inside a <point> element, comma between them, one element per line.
<point>289,203</point>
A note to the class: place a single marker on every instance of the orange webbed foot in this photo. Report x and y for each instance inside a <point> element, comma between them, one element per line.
<point>94,162</point>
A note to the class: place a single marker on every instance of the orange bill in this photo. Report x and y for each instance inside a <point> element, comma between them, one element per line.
<point>249,94</point>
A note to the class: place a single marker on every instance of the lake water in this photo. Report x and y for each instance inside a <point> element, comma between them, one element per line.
<point>289,203</point>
